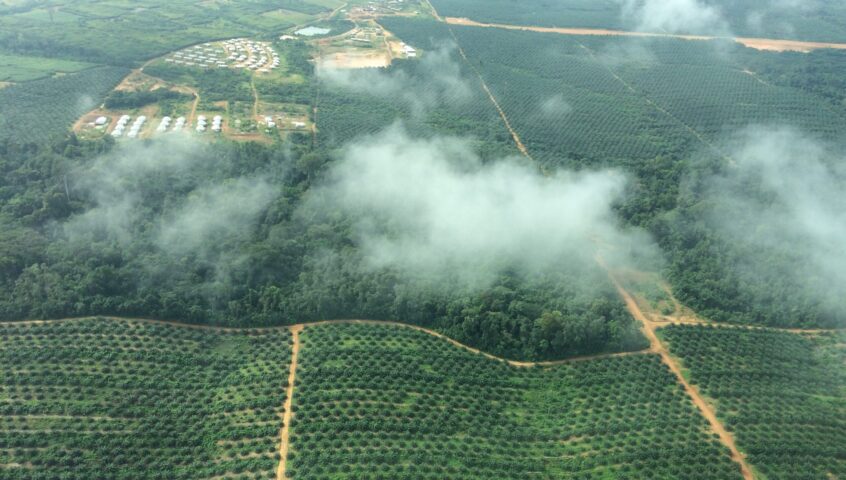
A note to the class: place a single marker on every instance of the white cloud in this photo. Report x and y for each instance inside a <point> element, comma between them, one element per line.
<point>430,208</point>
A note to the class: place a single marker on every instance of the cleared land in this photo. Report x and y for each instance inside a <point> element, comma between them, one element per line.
<point>783,395</point>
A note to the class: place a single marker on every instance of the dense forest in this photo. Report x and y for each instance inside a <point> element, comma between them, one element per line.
<point>93,228</point>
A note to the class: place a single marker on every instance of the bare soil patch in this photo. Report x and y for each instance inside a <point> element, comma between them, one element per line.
<point>352,60</point>
<point>289,394</point>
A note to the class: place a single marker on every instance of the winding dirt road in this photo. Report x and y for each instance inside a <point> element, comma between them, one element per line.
<point>297,328</point>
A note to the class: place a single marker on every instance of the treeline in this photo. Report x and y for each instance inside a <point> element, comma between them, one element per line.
<point>821,72</point>
<point>280,269</point>
<point>119,99</point>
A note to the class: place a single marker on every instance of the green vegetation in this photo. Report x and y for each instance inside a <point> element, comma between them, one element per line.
<point>545,13</point>
<point>125,99</point>
<point>126,33</point>
<point>664,110</point>
<point>390,402</point>
<point>216,85</point>
<point>587,101</point>
<point>289,269</point>
<point>821,21</point>
<point>129,400</point>
<point>782,394</point>
<point>43,110</point>
<point>16,68</point>
<point>425,106</point>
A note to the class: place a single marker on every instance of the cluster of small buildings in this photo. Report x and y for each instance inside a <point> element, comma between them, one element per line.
<point>408,50</point>
<point>235,53</point>
<point>366,35</point>
<point>202,123</point>
<point>179,124</point>
<point>270,122</point>
<point>379,7</point>
<point>164,124</point>
<point>120,126</point>
<point>252,55</point>
<point>134,130</point>
<point>206,55</point>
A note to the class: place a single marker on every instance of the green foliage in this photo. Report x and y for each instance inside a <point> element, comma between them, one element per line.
<point>378,401</point>
<point>426,108</point>
<point>662,110</point>
<point>120,99</point>
<point>551,13</point>
<point>782,394</point>
<point>126,33</point>
<point>821,21</point>
<point>280,270</point>
<point>15,68</point>
<point>221,84</point>
<point>128,400</point>
<point>43,110</point>
<point>821,72</point>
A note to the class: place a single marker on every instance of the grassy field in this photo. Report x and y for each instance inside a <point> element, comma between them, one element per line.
<point>127,400</point>
<point>16,68</point>
<point>390,402</point>
<point>783,394</point>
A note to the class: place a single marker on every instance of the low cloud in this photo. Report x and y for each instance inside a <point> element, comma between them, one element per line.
<point>555,107</point>
<point>431,209</point>
<point>439,81</point>
<point>778,15</point>
<point>675,16</point>
<point>215,214</point>
<point>784,200</point>
<point>116,183</point>
<point>172,195</point>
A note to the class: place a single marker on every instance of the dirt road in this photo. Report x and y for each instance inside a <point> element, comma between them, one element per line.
<point>658,347</point>
<point>756,43</point>
<point>289,396</point>
<point>299,327</point>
